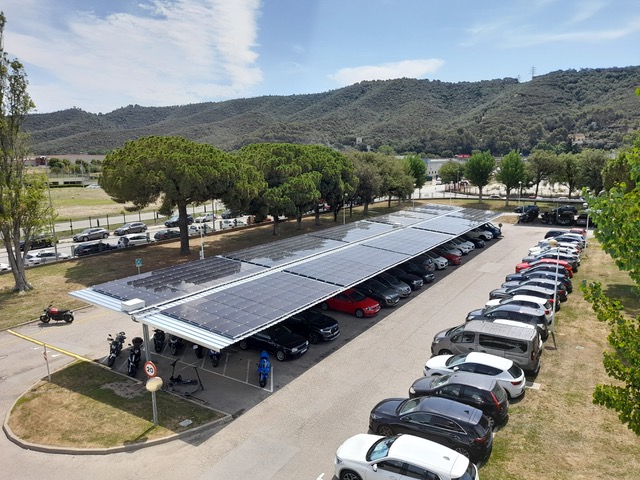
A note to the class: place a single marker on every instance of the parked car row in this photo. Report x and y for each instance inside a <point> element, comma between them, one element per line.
<point>444,426</point>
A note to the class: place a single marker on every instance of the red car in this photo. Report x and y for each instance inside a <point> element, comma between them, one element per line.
<point>451,257</point>
<point>553,261</point>
<point>352,302</point>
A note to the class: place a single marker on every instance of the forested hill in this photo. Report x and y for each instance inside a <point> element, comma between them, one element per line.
<point>424,116</point>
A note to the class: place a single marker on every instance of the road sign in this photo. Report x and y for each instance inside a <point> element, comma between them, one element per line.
<point>138,262</point>
<point>150,369</point>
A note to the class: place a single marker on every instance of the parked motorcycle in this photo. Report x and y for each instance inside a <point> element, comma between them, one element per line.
<point>215,357</point>
<point>158,340</point>
<point>198,350</point>
<point>135,354</point>
<point>115,347</point>
<point>264,368</point>
<point>175,344</point>
<point>52,313</point>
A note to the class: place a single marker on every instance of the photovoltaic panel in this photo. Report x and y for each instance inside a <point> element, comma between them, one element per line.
<point>398,219</point>
<point>353,232</point>
<point>409,241</point>
<point>284,251</point>
<point>349,266</point>
<point>245,308</point>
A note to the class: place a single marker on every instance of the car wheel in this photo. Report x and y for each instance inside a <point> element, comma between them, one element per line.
<point>359,313</point>
<point>106,235</point>
<point>324,306</point>
<point>462,450</point>
<point>444,352</point>
<point>386,431</point>
<point>85,239</point>
<point>349,475</point>
<point>243,345</point>
<point>280,355</point>
<point>314,338</point>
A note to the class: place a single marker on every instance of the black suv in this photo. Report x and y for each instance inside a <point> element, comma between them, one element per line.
<point>392,282</point>
<point>314,325</point>
<point>387,297</point>
<point>527,208</point>
<point>91,248</point>
<point>414,281</point>
<point>479,391</point>
<point>173,221</point>
<point>277,339</point>
<point>549,275</point>
<point>447,422</point>
<point>39,241</point>
<point>420,269</point>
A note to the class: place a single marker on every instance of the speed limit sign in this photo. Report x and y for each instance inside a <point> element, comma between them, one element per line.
<point>150,369</point>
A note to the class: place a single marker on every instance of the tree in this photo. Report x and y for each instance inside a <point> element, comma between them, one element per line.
<point>176,170</point>
<point>451,172</point>
<point>478,170</point>
<point>540,165</point>
<point>369,178</point>
<point>396,181</point>
<point>512,172</point>
<point>590,165</point>
<point>417,169</point>
<point>617,170</point>
<point>566,171</point>
<point>24,208</point>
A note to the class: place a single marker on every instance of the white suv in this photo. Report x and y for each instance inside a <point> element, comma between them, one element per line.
<point>478,233</point>
<point>133,239</point>
<point>372,457</point>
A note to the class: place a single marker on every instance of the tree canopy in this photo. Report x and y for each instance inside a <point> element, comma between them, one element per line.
<point>479,169</point>
<point>512,172</point>
<point>175,170</point>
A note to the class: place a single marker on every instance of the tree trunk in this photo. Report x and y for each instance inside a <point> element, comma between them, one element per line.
<point>183,225</point>
<point>276,225</point>
<point>299,221</point>
<point>365,210</point>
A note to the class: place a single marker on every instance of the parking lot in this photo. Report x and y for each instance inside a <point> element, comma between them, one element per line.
<point>318,400</point>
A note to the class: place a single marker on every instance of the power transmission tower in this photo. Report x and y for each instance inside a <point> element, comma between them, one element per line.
<point>533,72</point>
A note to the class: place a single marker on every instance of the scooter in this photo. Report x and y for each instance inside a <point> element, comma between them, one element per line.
<point>264,368</point>
<point>52,313</point>
<point>215,357</point>
<point>175,344</point>
<point>115,347</point>
<point>135,353</point>
<point>158,340</point>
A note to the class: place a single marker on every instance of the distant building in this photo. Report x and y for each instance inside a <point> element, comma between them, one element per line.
<point>577,138</point>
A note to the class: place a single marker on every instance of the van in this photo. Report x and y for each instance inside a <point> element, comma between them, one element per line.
<point>518,343</point>
<point>133,239</point>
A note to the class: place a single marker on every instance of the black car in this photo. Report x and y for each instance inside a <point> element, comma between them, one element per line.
<point>447,422</point>
<point>518,313</point>
<point>277,339</point>
<point>394,283</point>
<point>572,260</point>
<point>554,233</point>
<point>479,391</point>
<point>549,275</point>
<point>540,282</point>
<point>496,231</point>
<point>132,227</point>
<point>566,209</point>
<point>314,325</point>
<point>414,281</point>
<point>387,297</point>
<point>92,248</point>
<point>173,221</point>
<point>548,267</point>
<point>417,268</point>
<point>39,241</point>
<point>527,208</point>
<point>166,234</point>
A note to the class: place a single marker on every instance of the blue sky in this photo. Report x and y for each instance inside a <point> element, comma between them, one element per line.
<point>100,55</point>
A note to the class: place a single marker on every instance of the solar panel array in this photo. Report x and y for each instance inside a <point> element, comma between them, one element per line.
<point>227,298</point>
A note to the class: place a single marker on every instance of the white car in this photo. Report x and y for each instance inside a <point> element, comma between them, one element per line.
<point>525,301</point>
<point>545,244</point>
<point>463,245</point>
<point>5,267</point>
<point>508,374</point>
<point>43,256</point>
<point>539,249</point>
<point>478,233</point>
<point>133,239</point>
<point>207,217</point>
<point>231,223</point>
<point>371,457</point>
<point>440,262</point>
<point>199,229</point>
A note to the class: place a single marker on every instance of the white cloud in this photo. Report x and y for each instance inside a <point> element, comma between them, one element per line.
<point>171,52</point>
<point>587,10</point>
<point>386,71</point>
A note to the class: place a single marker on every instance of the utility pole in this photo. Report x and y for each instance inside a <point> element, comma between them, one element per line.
<point>533,72</point>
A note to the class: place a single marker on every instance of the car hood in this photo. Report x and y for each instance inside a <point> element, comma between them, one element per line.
<point>438,362</point>
<point>499,291</point>
<point>473,314</point>
<point>388,407</point>
<point>322,321</point>
<point>357,446</point>
<point>423,386</point>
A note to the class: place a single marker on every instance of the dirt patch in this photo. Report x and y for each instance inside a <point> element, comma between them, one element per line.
<point>126,389</point>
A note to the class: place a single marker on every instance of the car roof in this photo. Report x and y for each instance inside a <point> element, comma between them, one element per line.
<point>483,382</point>
<point>530,298</point>
<point>520,332</point>
<point>450,408</point>
<point>517,308</point>
<point>440,459</point>
<point>490,360</point>
<point>533,288</point>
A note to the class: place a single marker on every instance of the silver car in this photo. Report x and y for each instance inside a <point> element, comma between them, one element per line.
<point>440,262</point>
<point>91,234</point>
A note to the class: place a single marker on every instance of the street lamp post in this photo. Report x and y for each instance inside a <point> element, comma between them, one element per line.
<point>553,243</point>
<point>344,209</point>
<point>519,193</point>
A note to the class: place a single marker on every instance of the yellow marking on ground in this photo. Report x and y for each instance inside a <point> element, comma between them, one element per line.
<point>49,346</point>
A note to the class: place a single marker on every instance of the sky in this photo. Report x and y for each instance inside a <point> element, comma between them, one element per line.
<point>101,55</point>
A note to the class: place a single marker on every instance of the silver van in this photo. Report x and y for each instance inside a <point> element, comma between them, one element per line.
<point>133,239</point>
<point>518,343</point>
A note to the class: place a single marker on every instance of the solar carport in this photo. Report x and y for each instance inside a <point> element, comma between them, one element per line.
<point>218,301</point>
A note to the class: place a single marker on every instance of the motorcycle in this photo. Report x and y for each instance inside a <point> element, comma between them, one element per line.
<point>198,350</point>
<point>52,313</point>
<point>115,347</point>
<point>175,344</point>
<point>135,353</point>
<point>264,368</point>
<point>158,340</point>
<point>215,357</point>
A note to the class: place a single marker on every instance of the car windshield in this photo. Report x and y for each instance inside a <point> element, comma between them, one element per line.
<point>455,330</point>
<point>380,449</point>
<point>441,380</point>
<point>357,296</point>
<point>278,330</point>
<point>470,474</point>
<point>456,360</point>
<point>409,406</point>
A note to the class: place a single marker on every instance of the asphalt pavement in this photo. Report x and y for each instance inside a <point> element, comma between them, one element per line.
<point>292,428</point>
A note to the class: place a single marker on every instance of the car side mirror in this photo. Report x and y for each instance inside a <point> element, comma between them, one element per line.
<point>455,369</point>
<point>374,467</point>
